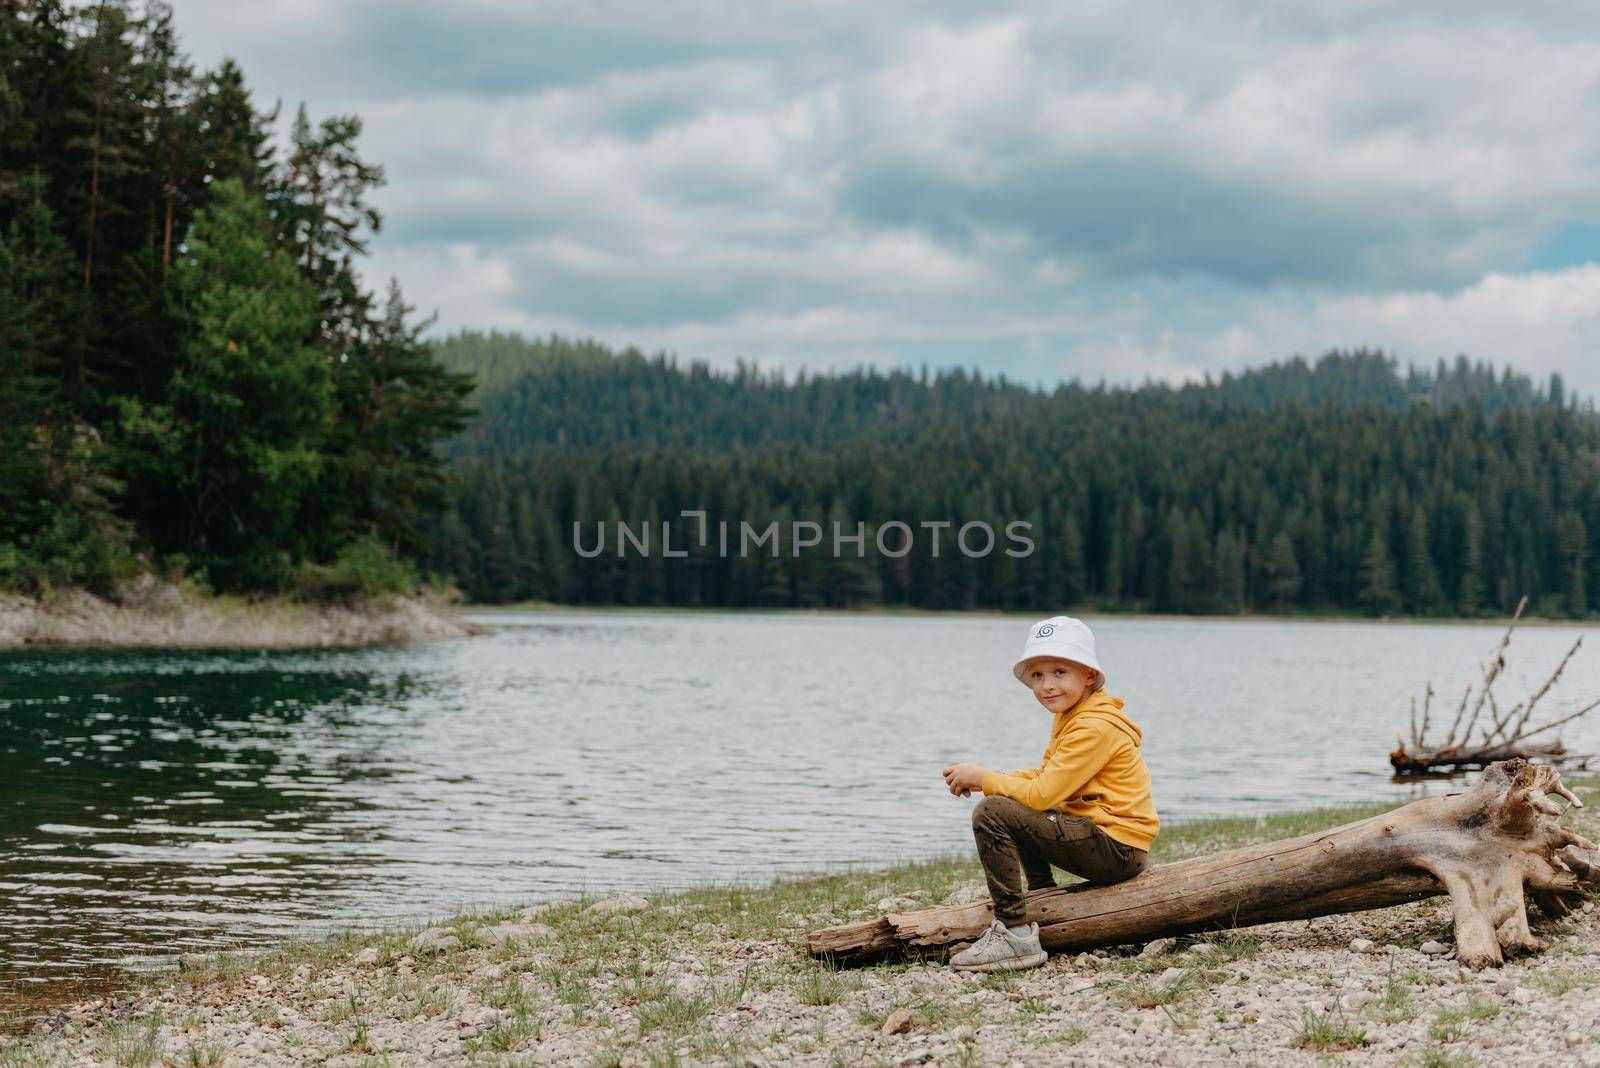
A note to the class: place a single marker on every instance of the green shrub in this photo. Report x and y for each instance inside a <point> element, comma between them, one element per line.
<point>364,569</point>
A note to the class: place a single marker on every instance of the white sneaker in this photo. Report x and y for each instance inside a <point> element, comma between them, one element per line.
<point>999,950</point>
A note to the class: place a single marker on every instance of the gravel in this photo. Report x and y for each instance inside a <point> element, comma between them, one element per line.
<point>673,982</point>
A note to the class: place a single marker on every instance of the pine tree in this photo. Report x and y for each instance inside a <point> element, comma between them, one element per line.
<point>1229,571</point>
<point>1074,583</point>
<point>1422,581</point>
<point>1469,599</point>
<point>1378,594</point>
<point>1283,570</point>
<point>1575,552</point>
<point>252,404</point>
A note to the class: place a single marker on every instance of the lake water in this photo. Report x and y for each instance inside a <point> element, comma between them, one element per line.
<point>154,802</point>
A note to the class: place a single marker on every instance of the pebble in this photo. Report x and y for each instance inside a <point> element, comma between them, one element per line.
<point>968,893</point>
<point>898,1023</point>
<point>1523,996</point>
<point>1170,976</point>
<point>620,904</point>
<point>434,940</point>
<point>897,904</point>
<point>1362,945</point>
<point>1157,947</point>
<point>518,932</point>
<point>370,955</point>
<point>1434,949</point>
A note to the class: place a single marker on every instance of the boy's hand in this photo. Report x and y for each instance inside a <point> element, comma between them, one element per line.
<point>962,779</point>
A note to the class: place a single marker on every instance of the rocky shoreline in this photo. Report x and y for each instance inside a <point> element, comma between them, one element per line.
<point>720,976</point>
<point>161,615</point>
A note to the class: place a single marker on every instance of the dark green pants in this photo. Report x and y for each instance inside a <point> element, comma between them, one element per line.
<point>1016,841</point>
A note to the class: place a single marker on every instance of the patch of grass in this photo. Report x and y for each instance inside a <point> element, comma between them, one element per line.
<point>208,1054</point>
<point>134,1044</point>
<point>1234,945</point>
<point>28,1055</point>
<point>1450,1024</point>
<point>223,967</point>
<point>873,1018</point>
<point>642,989</point>
<point>435,1000</point>
<point>1066,1036</point>
<point>750,978</point>
<point>674,1013</point>
<point>605,1056</point>
<point>1004,982</point>
<point>1558,981</point>
<point>822,985</point>
<point>508,1035</point>
<point>851,1056</point>
<point>1154,964</point>
<point>662,1057</point>
<point>510,994</point>
<point>715,1047</point>
<point>1143,993</point>
<point>948,1013</point>
<point>1329,1031</point>
<point>1434,1057</point>
<point>346,1008</point>
<point>1394,1004</point>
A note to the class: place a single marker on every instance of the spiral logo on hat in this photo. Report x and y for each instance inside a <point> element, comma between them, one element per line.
<point>1046,630</point>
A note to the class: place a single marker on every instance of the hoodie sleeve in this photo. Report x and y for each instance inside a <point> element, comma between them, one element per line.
<point>1082,753</point>
<point>1030,773</point>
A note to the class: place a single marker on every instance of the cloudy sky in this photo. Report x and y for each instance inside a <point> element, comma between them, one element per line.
<point>1114,190</point>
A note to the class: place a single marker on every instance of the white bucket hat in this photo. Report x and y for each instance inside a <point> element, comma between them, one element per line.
<point>1063,637</point>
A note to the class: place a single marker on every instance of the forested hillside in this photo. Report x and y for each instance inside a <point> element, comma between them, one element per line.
<point>1340,484</point>
<point>192,375</point>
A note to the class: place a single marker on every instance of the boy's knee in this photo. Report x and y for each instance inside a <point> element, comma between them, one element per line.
<point>991,812</point>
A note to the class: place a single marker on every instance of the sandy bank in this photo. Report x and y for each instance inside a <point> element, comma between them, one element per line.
<point>719,976</point>
<point>161,615</point>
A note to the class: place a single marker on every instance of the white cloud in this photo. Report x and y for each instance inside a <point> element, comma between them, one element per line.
<point>1087,189</point>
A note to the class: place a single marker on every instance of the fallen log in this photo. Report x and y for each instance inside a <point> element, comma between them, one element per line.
<point>1489,847</point>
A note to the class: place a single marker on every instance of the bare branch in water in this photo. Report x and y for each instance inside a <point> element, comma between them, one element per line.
<point>1504,731</point>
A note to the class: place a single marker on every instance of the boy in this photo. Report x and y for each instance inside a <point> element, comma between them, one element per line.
<point>1086,808</point>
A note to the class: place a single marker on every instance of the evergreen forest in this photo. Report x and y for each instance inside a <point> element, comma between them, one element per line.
<point>192,375</point>
<point>1344,484</point>
<point>195,379</point>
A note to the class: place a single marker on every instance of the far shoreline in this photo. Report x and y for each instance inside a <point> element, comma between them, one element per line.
<point>995,613</point>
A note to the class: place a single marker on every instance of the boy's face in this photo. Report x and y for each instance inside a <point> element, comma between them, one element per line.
<point>1057,684</point>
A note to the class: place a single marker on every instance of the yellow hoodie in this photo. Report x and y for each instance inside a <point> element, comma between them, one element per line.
<point>1092,768</point>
